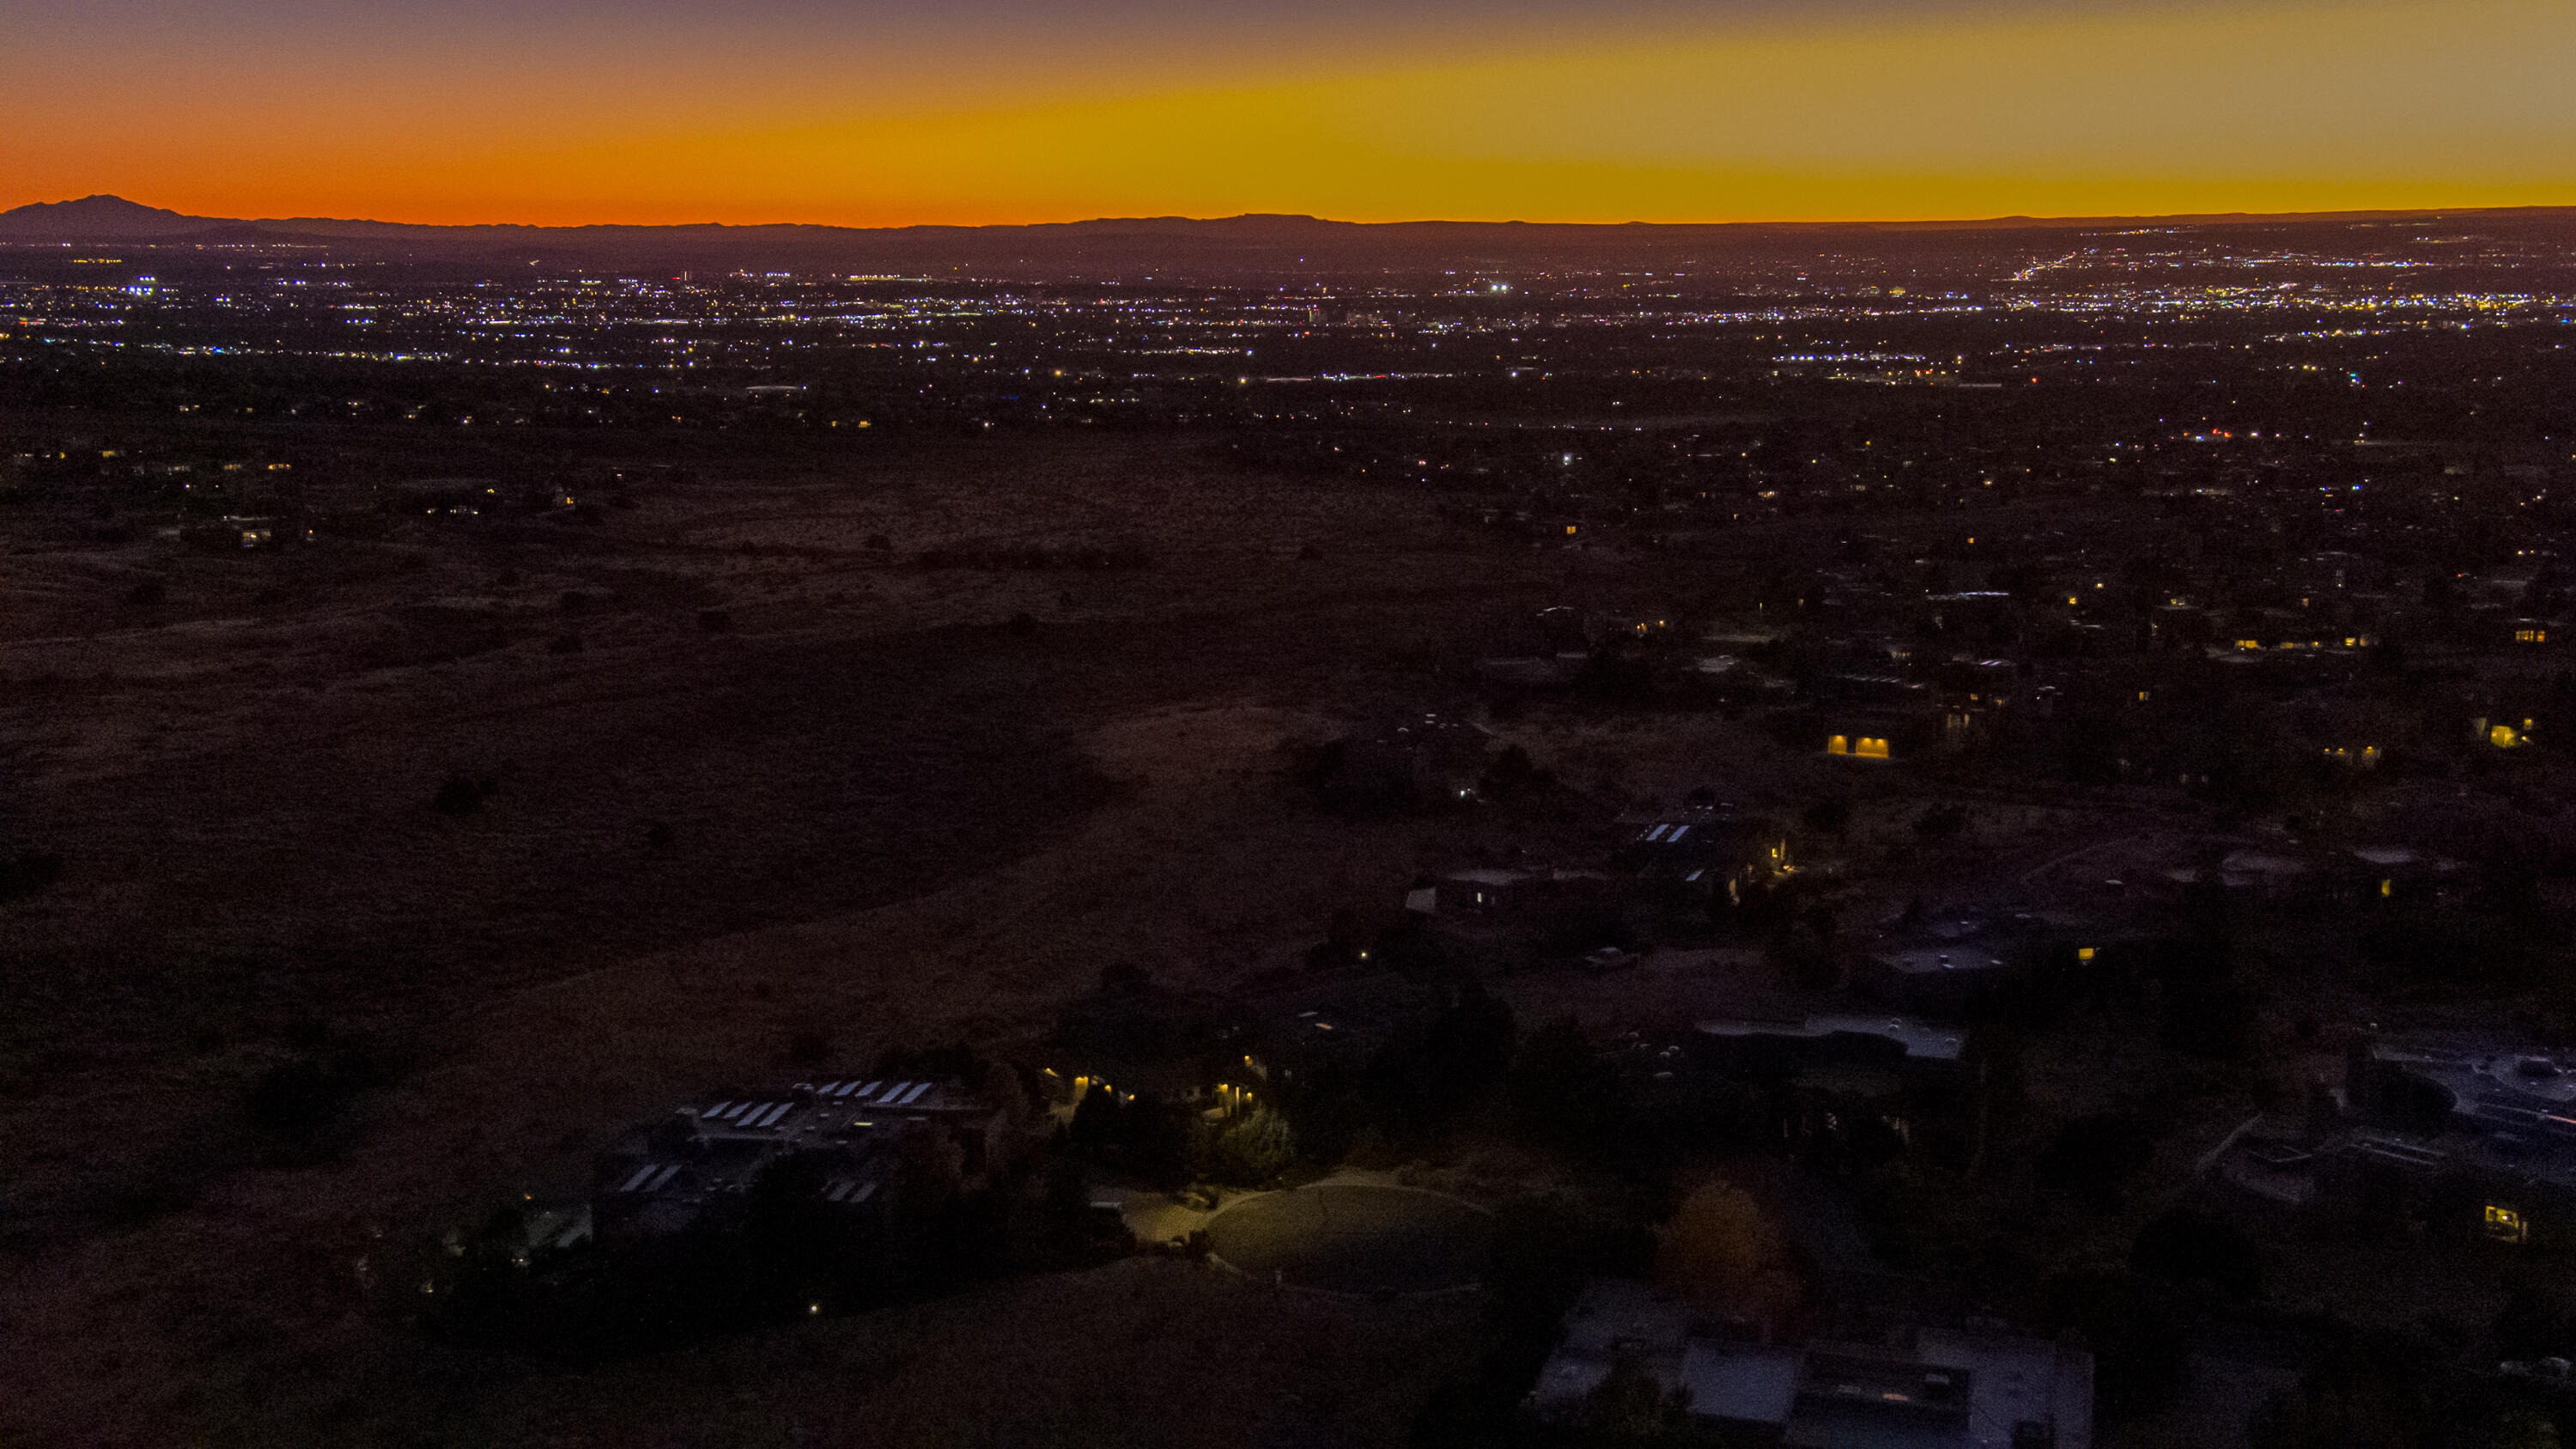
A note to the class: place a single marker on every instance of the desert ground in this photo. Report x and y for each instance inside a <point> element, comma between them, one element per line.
<point>869,799</point>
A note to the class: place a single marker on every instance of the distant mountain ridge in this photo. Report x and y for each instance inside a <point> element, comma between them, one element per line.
<point>1119,244</point>
<point>96,218</point>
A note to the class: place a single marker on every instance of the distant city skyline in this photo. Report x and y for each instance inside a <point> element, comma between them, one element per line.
<point>1001,111</point>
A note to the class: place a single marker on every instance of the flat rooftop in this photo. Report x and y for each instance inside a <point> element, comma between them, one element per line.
<point>1920,1040</point>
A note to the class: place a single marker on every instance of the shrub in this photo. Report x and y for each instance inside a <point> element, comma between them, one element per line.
<point>1803,958</point>
<point>1562,1093</point>
<point>2184,1246</point>
<point>2369,1391</point>
<point>28,872</point>
<point>2137,1338</point>
<point>2094,1157</point>
<point>1720,1251</point>
<point>306,1091</point>
<point>1254,1149</point>
<point>1514,773</point>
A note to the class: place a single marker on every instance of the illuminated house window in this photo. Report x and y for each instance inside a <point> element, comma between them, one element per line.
<point>2503,736</point>
<point>2506,1226</point>
<point>1870,747</point>
<point>2083,953</point>
<point>2249,643</point>
<point>1838,746</point>
<point>2531,636</point>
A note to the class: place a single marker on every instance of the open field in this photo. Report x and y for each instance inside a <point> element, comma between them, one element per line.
<point>887,815</point>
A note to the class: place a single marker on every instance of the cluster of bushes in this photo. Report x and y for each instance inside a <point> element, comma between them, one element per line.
<point>295,1098</point>
<point>462,794</point>
<point>2432,1387</point>
<point>28,872</point>
<point>1463,1061</point>
<point>1092,558</point>
<point>1152,1139</point>
<point>1468,1062</point>
<point>1543,1250</point>
<point>1366,778</point>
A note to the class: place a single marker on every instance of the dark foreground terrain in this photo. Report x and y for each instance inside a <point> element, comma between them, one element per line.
<point>871,800</point>
<point>445,725</point>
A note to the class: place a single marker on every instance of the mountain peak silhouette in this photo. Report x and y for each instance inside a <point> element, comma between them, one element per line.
<point>95,217</point>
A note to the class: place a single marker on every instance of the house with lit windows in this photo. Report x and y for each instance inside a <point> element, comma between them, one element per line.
<point>1504,894</point>
<point>1925,727</point>
<point>2452,1133</point>
<point>1704,851</point>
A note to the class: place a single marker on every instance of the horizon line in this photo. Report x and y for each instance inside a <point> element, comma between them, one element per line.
<point>1903,222</point>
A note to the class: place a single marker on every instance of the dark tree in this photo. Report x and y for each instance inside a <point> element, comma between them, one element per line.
<point>1562,1093</point>
<point>2136,1335</point>
<point>2369,1392</point>
<point>2094,1157</point>
<point>1941,822</point>
<point>2185,1247</point>
<point>28,872</point>
<point>1831,815</point>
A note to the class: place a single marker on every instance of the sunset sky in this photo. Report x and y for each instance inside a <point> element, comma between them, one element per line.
<point>874,112</point>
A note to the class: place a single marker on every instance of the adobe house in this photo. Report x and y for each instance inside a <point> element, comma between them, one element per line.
<point>692,1172</point>
<point>1892,733</point>
<point>1910,1382</point>
<point>1495,893</point>
<point>1936,981</point>
<point>2455,1133</point>
<point>1708,850</point>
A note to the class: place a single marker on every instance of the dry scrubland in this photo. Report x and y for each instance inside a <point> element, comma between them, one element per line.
<point>1143,1354</point>
<point>892,816</point>
<point>899,805</point>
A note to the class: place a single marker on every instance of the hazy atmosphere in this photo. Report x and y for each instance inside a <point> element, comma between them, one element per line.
<point>876,114</point>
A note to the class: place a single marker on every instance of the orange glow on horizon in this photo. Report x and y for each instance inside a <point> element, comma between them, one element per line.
<point>2120,113</point>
